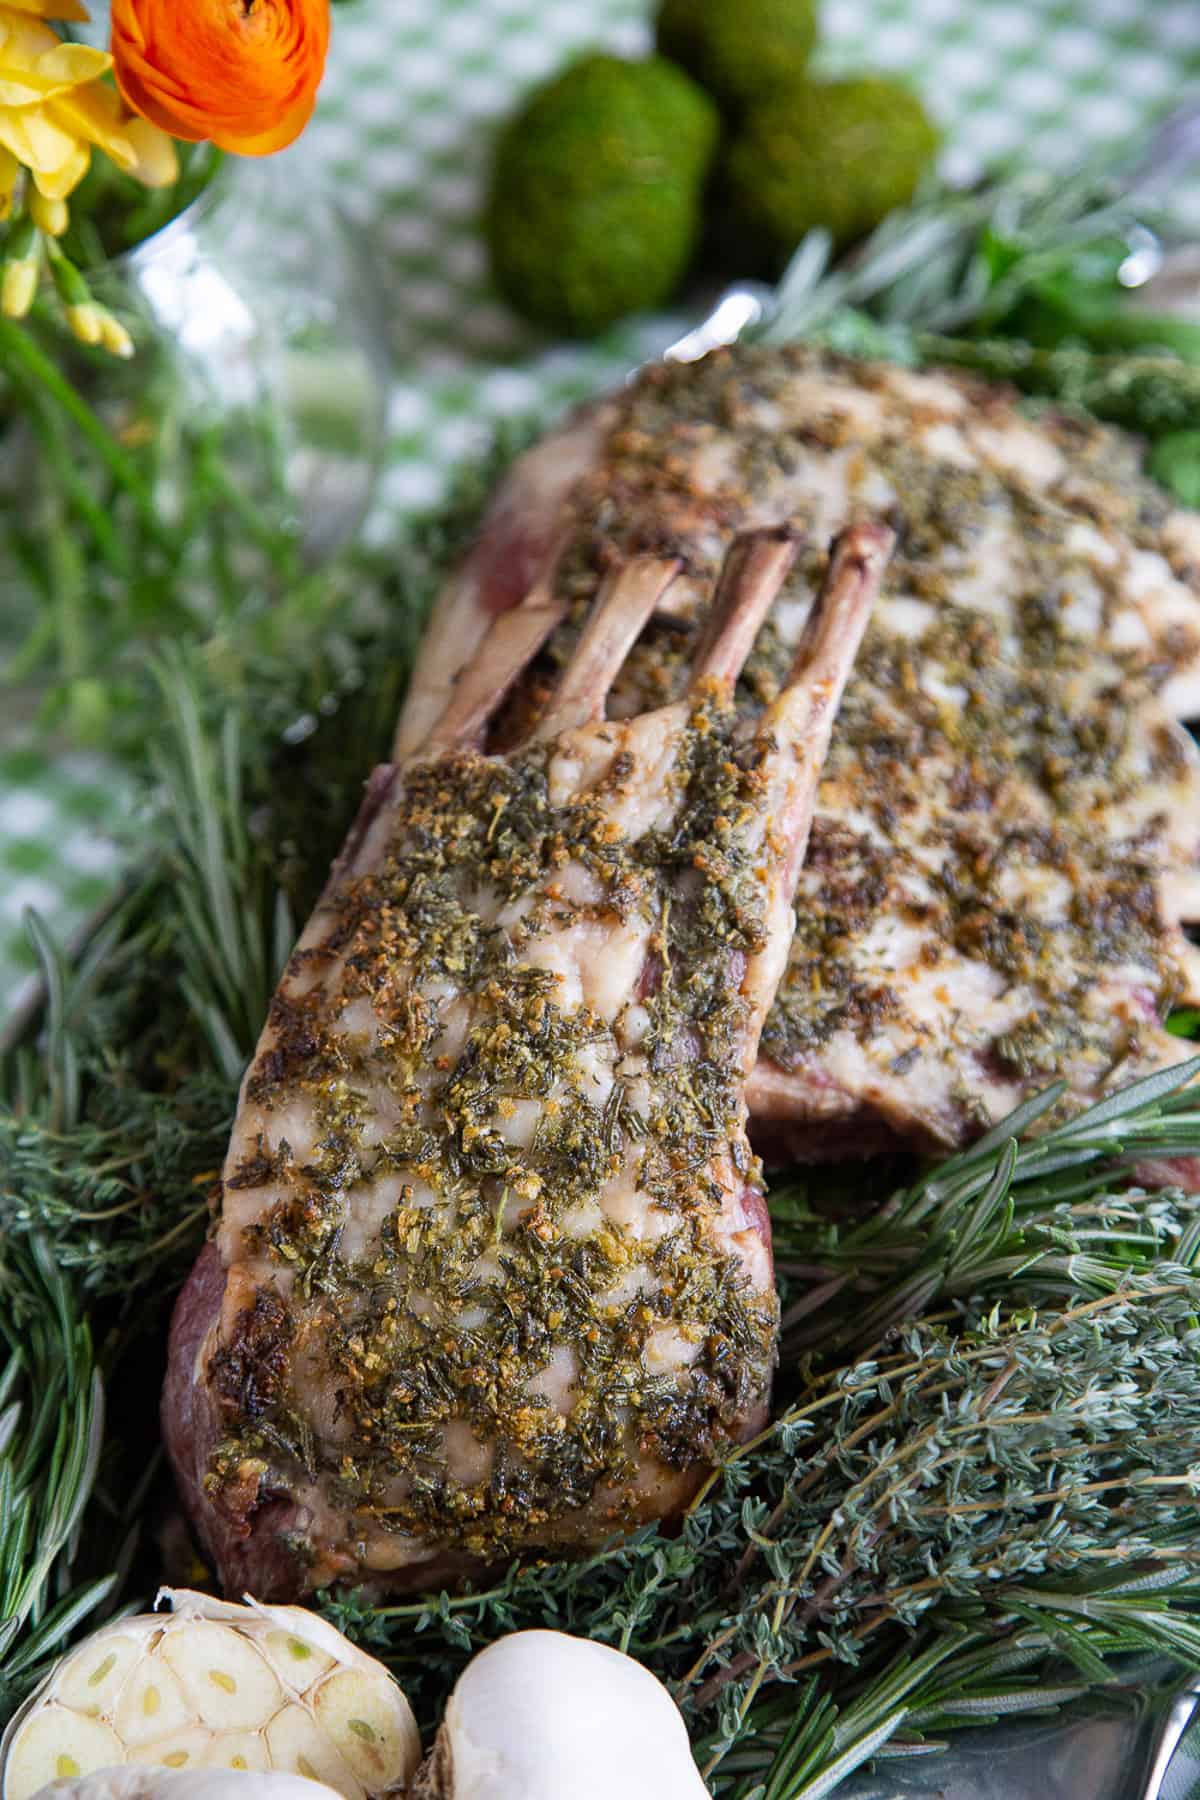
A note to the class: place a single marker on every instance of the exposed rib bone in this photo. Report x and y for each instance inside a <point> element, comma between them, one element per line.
<point>802,718</point>
<point>755,569</point>
<point>512,642</point>
<point>622,607</point>
<point>856,564</point>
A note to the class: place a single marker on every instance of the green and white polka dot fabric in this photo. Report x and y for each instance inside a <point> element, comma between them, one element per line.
<point>413,95</point>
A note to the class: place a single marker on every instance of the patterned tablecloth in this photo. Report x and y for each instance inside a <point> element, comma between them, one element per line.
<point>412,97</point>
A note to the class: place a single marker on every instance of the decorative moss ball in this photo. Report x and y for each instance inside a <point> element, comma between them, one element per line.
<point>842,154</point>
<point>739,50</point>
<point>594,208</point>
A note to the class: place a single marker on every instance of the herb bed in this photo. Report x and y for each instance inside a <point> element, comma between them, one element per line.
<point>957,1501</point>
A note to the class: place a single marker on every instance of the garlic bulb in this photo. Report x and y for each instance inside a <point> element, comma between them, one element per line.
<point>146,1781</point>
<point>540,1715</point>
<point>216,1686</point>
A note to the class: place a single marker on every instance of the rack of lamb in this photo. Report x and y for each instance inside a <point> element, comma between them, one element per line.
<point>493,1269</point>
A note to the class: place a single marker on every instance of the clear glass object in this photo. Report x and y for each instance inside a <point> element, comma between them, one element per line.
<point>256,311</point>
<point>238,447</point>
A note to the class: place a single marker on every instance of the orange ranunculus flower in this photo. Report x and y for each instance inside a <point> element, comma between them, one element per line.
<point>242,73</point>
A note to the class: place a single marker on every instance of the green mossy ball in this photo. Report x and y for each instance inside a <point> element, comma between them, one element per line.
<point>739,50</point>
<point>841,154</point>
<point>594,209</point>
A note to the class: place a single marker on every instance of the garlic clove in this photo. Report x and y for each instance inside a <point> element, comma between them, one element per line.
<point>360,1715</point>
<point>540,1714</point>
<point>228,1683</point>
<point>151,1704</point>
<point>298,1662</point>
<point>91,1678</point>
<point>60,1743</point>
<point>298,1745</point>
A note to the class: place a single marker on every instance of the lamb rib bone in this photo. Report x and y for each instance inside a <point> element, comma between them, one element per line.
<point>493,1269</point>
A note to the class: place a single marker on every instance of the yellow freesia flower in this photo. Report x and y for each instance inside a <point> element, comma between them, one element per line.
<point>55,107</point>
<point>51,9</point>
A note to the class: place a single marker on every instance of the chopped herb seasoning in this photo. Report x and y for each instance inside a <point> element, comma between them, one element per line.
<point>500,1251</point>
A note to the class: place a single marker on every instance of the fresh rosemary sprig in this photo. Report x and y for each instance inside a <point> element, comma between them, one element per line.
<point>805,1743</point>
<point>1042,1208</point>
<point>955,261</point>
<point>51,1436</point>
<point>1022,280</point>
<point>238,927</point>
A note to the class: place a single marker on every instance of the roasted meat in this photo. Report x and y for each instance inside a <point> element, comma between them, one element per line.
<point>1008,829</point>
<point>493,1267</point>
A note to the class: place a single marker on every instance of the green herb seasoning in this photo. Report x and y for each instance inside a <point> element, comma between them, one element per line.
<point>498,1250</point>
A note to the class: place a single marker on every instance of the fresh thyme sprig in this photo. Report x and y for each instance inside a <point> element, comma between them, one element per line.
<point>1150,390</point>
<point>976,1474</point>
<point>976,1519</point>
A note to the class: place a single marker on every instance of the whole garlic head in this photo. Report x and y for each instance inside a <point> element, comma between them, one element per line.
<point>215,1686</point>
<point>540,1715</point>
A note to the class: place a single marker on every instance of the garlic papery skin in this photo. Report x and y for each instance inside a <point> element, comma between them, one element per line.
<point>540,1716</point>
<point>215,1686</point>
<point>144,1781</point>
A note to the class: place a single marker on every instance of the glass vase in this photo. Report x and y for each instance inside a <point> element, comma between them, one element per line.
<point>258,304</point>
<point>171,493</point>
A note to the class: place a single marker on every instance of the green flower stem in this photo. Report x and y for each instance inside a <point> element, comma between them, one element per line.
<point>277,544</point>
<point>94,516</point>
<point>19,352</point>
<point>38,643</point>
<point>220,566</point>
<point>68,583</point>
